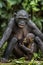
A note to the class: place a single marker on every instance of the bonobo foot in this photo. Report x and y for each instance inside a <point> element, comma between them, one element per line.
<point>4,60</point>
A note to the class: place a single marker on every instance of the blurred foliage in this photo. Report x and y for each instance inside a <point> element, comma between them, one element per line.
<point>8,7</point>
<point>35,8</point>
<point>36,5</point>
<point>21,61</point>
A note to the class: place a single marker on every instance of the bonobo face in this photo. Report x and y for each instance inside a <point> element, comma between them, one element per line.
<point>29,38</point>
<point>21,18</point>
<point>21,22</point>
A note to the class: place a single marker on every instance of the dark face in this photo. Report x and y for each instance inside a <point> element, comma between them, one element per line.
<point>22,17</point>
<point>29,38</point>
<point>21,22</point>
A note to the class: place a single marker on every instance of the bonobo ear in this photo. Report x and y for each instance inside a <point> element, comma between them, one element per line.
<point>15,14</point>
<point>29,15</point>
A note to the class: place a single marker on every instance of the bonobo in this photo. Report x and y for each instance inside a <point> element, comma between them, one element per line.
<point>29,42</point>
<point>16,31</point>
<point>29,47</point>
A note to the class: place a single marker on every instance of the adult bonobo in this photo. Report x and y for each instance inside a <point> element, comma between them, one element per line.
<point>17,30</point>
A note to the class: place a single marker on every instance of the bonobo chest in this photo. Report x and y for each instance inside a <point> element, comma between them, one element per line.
<point>20,33</point>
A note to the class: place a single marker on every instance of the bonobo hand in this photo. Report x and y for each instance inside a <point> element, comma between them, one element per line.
<point>38,40</point>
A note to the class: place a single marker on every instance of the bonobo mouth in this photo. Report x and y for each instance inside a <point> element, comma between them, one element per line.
<point>21,25</point>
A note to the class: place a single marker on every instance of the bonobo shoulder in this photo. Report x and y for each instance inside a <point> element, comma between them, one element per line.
<point>11,21</point>
<point>31,24</point>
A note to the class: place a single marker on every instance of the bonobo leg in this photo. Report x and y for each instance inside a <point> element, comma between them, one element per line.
<point>17,52</point>
<point>39,43</point>
<point>26,51</point>
<point>9,49</point>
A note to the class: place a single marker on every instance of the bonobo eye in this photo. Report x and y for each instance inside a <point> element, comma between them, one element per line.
<point>24,19</point>
<point>21,19</point>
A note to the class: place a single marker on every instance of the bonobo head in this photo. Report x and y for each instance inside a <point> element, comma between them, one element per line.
<point>29,38</point>
<point>21,18</point>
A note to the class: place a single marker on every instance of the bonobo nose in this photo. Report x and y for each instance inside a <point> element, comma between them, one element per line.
<point>22,22</point>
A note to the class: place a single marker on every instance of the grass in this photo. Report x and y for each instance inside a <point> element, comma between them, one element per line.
<point>21,61</point>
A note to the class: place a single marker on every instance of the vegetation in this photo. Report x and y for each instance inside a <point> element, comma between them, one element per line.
<point>34,8</point>
<point>8,7</point>
<point>21,61</point>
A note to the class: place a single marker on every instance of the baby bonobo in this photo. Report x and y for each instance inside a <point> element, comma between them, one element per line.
<point>29,46</point>
<point>17,30</point>
<point>29,42</point>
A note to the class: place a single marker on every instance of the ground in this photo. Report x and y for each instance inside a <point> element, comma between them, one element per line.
<point>21,61</point>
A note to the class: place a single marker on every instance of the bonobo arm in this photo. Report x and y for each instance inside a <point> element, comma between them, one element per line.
<point>39,43</point>
<point>35,29</point>
<point>34,47</point>
<point>25,49</point>
<point>7,32</point>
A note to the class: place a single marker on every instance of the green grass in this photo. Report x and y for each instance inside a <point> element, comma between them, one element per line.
<point>23,62</point>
